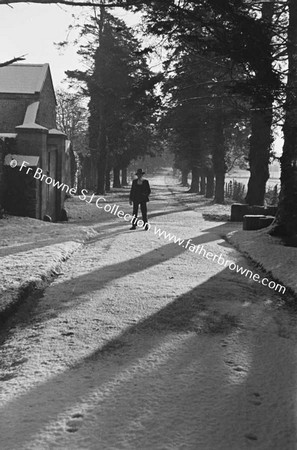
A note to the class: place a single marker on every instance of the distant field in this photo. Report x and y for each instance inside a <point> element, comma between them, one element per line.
<point>242,176</point>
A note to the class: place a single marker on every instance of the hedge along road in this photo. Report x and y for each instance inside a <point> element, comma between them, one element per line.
<point>141,344</point>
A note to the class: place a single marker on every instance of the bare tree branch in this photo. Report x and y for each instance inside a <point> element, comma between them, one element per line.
<point>120,4</point>
<point>114,4</point>
<point>13,60</point>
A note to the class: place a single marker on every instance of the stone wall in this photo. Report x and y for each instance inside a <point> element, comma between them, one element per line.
<point>12,111</point>
<point>21,193</point>
<point>6,146</point>
<point>1,173</point>
<point>46,115</point>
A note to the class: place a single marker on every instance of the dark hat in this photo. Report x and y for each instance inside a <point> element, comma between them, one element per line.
<point>139,172</point>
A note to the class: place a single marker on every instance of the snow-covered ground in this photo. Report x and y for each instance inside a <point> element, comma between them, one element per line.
<point>279,261</point>
<point>140,344</point>
<point>32,250</point>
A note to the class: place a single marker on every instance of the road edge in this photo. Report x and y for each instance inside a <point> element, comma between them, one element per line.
<point>11,299</point>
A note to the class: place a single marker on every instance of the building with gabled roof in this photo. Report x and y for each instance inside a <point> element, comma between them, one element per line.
<point>26,89</point>
<point>28,127</point>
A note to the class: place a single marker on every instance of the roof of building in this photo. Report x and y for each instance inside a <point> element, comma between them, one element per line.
<point>23,78</point>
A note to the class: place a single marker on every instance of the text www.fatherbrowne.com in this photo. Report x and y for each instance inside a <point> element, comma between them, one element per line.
<point>199,249</point>
<point>219,259</point>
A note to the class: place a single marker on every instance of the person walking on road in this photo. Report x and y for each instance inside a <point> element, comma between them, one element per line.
<point>139,196</point>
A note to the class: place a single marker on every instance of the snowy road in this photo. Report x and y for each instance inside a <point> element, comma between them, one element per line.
<point>142,345</point>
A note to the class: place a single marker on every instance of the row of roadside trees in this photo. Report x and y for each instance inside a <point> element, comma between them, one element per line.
<point>122,107</point>
<point>228,80</point>
<point>223,84</point>
<point>232,65</point>
<point>230,77</point>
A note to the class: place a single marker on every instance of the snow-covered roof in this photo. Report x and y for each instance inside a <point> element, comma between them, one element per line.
<point>8,136</point>
<point>17,160</point>
<point>23,78</point>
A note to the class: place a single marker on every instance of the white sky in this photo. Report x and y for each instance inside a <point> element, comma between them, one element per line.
<point>32,30</point>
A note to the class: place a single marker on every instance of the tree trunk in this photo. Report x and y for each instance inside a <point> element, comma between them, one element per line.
<point>184,180</point>
<point>101,174</point>
<point>202,184</point>
<point>116,177</point>
<point>209,185</point>
<point>286,220</point>
<point>102,161</point>
<point>260,143</point>
<point>261,121</point>
<point>92,183</point>
<point>73,167</point>
<point>219,163</point>
<point>79,176</point>
<point>220,188</point>
<point>195,180</point>
<point>87,173</point>
<point>107,179</point>
<point>102,144</point>
<point>125,176</point>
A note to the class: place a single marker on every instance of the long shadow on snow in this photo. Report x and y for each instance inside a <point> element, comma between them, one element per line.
<point>99,278</point>
<point>97,226</point>
<point>114,367</point>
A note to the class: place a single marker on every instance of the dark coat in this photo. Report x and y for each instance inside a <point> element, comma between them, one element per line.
<point>140,193</point>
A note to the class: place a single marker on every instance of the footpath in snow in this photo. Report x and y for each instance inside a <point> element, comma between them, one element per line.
<point>141,344</point>
<point>32,251</point>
